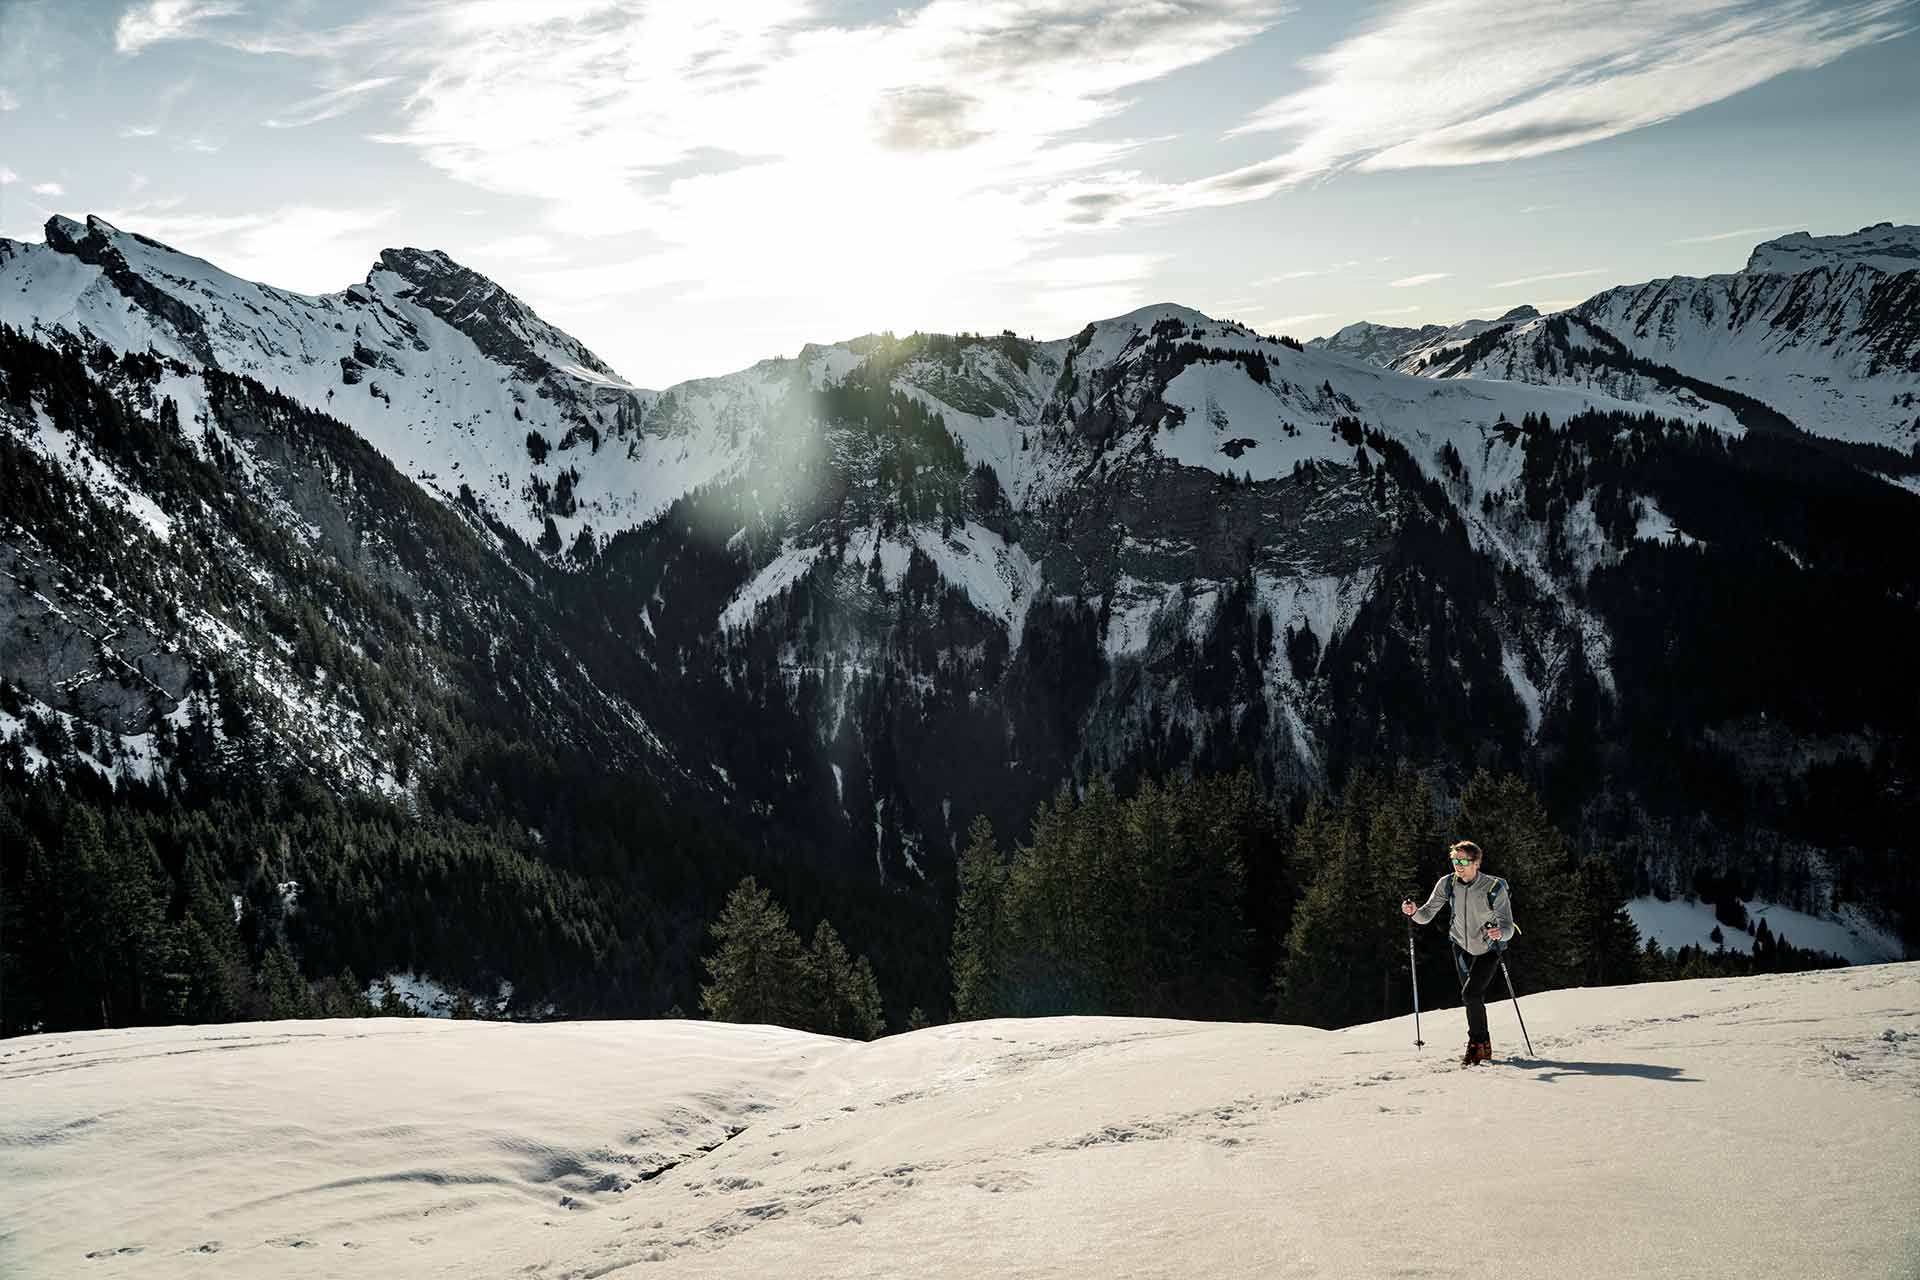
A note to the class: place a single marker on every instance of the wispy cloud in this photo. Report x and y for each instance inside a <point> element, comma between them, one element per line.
<point>1409,282</point>
<point>9,100</point>
<point>48,189</point>
<point>1736,234</point>
<point>1310,272</point>
<point>7,176</point>
<point>146,24</point>
<point>327,106</point>
<point>1397,95</point>
<point>161,109</point>
<point>1552,275</point>
<point>1393,311</point>
<point>951,123</point>
<point>1299,319</point>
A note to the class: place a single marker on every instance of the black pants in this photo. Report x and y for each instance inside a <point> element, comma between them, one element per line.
<point>1476,976</point>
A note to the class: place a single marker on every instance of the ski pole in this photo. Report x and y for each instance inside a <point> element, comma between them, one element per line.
<point>1414,970</point>
<point>1516,1005</point>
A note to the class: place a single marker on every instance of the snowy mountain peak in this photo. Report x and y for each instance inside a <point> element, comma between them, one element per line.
<point>454,379</point>
<point>1521,312</point>
<point>1155,313</point>
<point>1882,246</point>
<point>96,238</point>
<point>419,264</point>
<point>65,233</point>
<point>503,327</point>
<point>1361,330</point>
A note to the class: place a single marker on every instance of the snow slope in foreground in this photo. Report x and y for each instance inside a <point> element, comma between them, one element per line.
<point>1763,1126</point>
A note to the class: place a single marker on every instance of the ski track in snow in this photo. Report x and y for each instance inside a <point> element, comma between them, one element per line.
<point>1628,1144</point>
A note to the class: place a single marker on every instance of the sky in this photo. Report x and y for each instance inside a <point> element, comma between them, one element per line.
<point>689,187</point>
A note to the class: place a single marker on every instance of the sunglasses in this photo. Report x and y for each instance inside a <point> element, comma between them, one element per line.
<point>1461,862</point>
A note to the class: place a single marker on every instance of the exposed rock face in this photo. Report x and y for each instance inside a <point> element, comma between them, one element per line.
<point>1882,246</point>
<point>504,329</point>
<point>94,244</point>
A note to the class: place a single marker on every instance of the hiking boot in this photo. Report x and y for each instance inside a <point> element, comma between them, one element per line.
<point>1472,1055</point>
<point>1484,1050</point>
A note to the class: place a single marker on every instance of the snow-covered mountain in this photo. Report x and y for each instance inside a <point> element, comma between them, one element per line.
<point>1393,347</point>
<point>1045,1147</point>
<point>846,602</point>
<point>455,380</point>
<point>1882,246</point>
<point>1825,330</point>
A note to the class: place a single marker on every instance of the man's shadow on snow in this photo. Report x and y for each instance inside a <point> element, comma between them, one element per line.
<point>1551,1069</point>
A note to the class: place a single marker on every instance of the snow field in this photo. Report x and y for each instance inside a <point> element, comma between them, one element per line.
<point>1629,1145</point>
<point>93,474</point>
<point>1677,923</point>
<point>997,577</point>
<point>781,573</point>
<point>133,753</point>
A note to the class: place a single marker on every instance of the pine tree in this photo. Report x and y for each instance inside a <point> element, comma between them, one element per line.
<point>868,1016</point>
<point>30,960</point>
<point>760,971</point>
<point>833,997</point>
<point>1522,847</point>
<point>1606,939</point>
<point>286,992</point>
<point>84,922</point>
<point>1044,965</point>
<point>1356,861</point>
<point>146,965</point>
<point>977,924</point>
<point>1315,984</point>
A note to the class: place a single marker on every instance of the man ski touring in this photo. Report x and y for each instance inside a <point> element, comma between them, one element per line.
<point>1482,923</point>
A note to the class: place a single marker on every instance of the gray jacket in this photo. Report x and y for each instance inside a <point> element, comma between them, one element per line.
<point>1486,899</point>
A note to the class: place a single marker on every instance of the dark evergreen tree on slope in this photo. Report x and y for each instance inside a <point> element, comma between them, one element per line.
<point>761,973</point>
<point>976,926</point>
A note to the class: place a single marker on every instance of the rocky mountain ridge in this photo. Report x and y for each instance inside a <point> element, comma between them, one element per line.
<point>1823,329</point>
<point>451,377</point>
<point>842,604</point>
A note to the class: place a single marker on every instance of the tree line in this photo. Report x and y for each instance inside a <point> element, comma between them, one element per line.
<point>1200,899</point>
